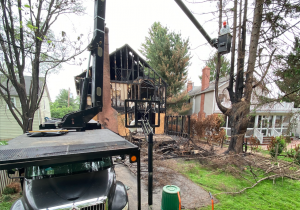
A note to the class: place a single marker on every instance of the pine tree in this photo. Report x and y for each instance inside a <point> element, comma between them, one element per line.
<point>168,53</point>
<point>212,64</point>
<point>288,73</point>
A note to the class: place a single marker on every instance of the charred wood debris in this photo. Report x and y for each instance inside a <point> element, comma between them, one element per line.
<point>166,147</point>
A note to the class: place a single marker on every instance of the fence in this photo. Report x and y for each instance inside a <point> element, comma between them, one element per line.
<point>178,125</point>
<point>5,180</point>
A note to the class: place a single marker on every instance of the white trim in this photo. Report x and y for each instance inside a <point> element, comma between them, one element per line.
<point>194,104</point>
<point>15,102</point>
<point>222,84</point>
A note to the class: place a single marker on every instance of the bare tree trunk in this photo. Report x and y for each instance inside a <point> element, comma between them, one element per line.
<point>15,52</point>
<point>240,109</point>
<point>221,107</point>
<point>230,86</point>
<point>257,21</point>
<point>220,15</point>
<point>238,114</point>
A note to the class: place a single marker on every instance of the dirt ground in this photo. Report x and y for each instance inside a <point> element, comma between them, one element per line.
<point>192,195</point>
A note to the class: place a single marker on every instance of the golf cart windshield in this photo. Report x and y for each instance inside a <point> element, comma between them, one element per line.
<point>40,172</point>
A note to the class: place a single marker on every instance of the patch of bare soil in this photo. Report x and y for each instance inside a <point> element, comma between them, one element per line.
<point>166,172</point>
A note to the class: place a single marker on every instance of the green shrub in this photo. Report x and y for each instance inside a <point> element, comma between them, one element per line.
<point>3,143</point>
<point>288,139</point>
<point>278,141</point>
<point>8,190</point>
<point>294,154</point>
<point>6,198</point>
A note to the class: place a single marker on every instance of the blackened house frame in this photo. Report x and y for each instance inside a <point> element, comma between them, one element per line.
<point>133,78</point>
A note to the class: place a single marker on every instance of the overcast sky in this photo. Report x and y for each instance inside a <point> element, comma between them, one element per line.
<point>128,22</point>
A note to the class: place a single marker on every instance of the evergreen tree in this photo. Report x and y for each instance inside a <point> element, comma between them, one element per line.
<point>288,73</point>
<point>168,53</point>
<point>62,100</point>
<point>212,64</point>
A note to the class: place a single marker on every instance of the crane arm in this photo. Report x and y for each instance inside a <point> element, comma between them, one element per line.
<point>212,42</point>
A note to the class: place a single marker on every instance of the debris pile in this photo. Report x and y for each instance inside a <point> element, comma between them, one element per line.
<point>166,147</point>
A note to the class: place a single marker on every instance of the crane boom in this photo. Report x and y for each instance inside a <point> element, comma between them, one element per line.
<point>212,42</point>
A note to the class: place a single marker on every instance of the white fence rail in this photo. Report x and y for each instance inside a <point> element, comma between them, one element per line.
<point>275,133</point>
<point>258,135</point>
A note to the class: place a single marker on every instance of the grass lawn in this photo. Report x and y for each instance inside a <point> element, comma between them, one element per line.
<point>3,143</point>
<point>285,194</point>
<point>5,205</point>
<point>280,157</point>
<point>6,201</point>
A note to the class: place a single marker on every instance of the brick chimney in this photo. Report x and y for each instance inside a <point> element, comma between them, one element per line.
<point>189,86</point>
<point>108,118</point>
<point>204,85</point>
<point>205,78</point>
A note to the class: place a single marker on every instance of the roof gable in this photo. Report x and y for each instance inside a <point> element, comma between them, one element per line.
<point>27,79</point>
<point>127,65</point>
<point>211,87</point>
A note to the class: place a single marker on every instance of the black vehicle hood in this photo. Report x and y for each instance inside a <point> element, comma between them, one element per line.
<point>57,191</point>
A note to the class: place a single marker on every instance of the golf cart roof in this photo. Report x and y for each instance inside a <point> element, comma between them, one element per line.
<point>24,151</point>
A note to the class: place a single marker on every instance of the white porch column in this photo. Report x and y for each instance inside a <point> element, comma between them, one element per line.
<point>256,121</point>
<point>274,121</point>
<point>281,123</point>
<point>273,124</point>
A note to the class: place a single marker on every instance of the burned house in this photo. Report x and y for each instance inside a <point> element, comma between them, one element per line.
<point>131,77</point>
<point>125,76</point>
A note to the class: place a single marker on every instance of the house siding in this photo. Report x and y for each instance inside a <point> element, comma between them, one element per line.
<point>208,103</point>
<point>44,110</point>
<point>197,104</point>
<point>9,128</point>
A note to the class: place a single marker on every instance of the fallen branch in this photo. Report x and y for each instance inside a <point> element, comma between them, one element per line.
<point>268,177</point>
<point>199,148</point>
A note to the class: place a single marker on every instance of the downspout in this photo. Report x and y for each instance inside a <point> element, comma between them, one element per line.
<point>213,105</point>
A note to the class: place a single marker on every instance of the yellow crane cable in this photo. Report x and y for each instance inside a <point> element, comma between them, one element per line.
<point>44,131</point>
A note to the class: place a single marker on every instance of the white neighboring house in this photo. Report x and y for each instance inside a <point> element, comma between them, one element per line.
<point>9,128</point>
<point>267,120</point>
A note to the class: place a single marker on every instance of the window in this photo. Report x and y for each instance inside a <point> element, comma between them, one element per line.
<point>42,172</point>
<point>13,101</point>
<point>278,121</point>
